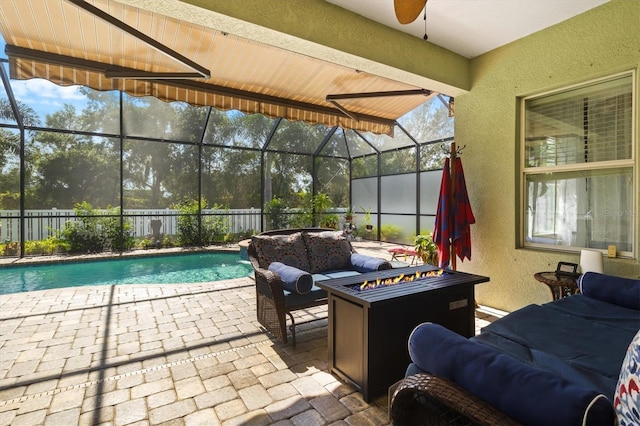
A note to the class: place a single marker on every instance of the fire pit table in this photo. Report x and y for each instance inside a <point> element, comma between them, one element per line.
<point>372,315</point>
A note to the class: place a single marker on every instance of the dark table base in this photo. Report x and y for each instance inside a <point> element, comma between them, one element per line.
<point>368,339</point>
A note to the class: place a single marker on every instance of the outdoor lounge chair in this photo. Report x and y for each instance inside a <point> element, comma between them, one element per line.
<point>288,262</point>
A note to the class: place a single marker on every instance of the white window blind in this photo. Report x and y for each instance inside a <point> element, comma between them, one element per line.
<point>585,125</point>
<point>578,167</point>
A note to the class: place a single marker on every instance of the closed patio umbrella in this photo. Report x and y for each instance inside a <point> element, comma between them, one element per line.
<point>442,232</point>
<point>463,216</point>
<point>453,216</point>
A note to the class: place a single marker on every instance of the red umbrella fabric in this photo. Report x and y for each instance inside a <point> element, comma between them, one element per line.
<point>442,231</point>
<point>453,219</point>
<point>463,216</point>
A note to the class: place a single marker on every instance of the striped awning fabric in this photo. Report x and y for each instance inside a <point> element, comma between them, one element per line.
<point>67,44</point>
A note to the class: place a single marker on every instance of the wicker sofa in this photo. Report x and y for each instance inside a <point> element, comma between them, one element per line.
<point>574,361</point>
<point>288,262</point>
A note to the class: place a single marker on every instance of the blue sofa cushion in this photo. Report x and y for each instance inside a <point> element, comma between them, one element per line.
<point>525,393</point>
<point>292,299</point>
<point>319,277</point>
<point>340,274</point>
<point>293,279</point>
<point>555,340</point>
<point>619,291</point>
<point>594,310</point>
<point>363,263</point>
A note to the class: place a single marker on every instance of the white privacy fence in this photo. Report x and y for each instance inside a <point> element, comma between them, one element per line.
<point>40,224</point>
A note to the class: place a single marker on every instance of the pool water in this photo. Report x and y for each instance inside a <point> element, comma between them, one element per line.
<point>170,269</point>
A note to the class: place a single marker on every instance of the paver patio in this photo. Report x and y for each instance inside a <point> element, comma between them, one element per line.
<point>165,354</point>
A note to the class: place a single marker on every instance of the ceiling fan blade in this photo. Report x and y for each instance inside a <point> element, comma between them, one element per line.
<point>408,10</point>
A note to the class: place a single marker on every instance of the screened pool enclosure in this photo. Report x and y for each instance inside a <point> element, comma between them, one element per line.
<point>86,170</point>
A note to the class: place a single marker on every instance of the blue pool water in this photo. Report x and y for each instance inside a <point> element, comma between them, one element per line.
<point>170,269</point>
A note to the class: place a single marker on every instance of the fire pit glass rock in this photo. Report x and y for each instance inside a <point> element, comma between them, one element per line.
<point>400,279</point>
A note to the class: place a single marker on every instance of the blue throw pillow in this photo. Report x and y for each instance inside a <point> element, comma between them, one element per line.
<point>619,291</point>
<point>527,394</point>
<point>293,279</point>
<point>363,263</point>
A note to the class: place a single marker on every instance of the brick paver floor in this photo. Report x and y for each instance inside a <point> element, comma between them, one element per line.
<point>191,354</point>
<point>163,354</point>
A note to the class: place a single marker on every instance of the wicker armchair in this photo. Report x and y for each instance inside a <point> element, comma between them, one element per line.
<point>272,308</point>
<point>325,254</point>
<point>423,399</point>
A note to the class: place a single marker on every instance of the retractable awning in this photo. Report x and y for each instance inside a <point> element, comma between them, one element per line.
<point>108,45</point>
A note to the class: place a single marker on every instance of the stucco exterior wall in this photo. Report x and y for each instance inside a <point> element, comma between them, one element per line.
<point>601,42</point>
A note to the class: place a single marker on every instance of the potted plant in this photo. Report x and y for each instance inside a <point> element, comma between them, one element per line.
<point>367,219</point>
<point>330,221</point>
<point>426,249</point>
<point>348,215</point>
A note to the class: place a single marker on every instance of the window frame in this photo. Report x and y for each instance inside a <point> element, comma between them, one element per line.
<point>525,171</point>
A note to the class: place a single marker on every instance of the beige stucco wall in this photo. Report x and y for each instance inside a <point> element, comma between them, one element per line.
<point>603,41</point>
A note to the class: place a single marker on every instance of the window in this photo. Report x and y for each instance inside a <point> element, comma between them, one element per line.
<point>578,168</point>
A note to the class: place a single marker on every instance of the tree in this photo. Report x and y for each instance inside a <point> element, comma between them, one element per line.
<point>333,179</point>
<point>102,113</point>
<point>430,122</point>
<point>159,172</point>
<point>87,173</point>
<point>10,141</point>
<point>10,151</point>
<point>288,168</point>
<point>72,168</point>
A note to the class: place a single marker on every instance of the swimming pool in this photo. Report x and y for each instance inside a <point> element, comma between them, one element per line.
<point>169,269</point>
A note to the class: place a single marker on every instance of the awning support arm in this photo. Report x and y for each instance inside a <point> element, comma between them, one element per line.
<point>199,71</point>
<point>392,93</point>
<point>345,111</point>
<point>107,69</point>
<point>333,99</point>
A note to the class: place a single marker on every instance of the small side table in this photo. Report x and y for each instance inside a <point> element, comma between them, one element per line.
<point>560,285</point>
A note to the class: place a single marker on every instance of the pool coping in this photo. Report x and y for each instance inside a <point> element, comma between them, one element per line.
<point>66,258</point>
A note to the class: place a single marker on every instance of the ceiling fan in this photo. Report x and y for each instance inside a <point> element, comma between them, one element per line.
<point>408,11</point>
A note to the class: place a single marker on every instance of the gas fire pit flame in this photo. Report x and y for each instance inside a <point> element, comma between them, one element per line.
<point>402,278</point>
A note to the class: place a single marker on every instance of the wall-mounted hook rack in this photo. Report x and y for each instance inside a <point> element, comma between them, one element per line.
<point>453,150</point>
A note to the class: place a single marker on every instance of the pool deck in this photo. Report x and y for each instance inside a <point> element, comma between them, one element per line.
<point>168,354</point>
<point>14,261</point>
